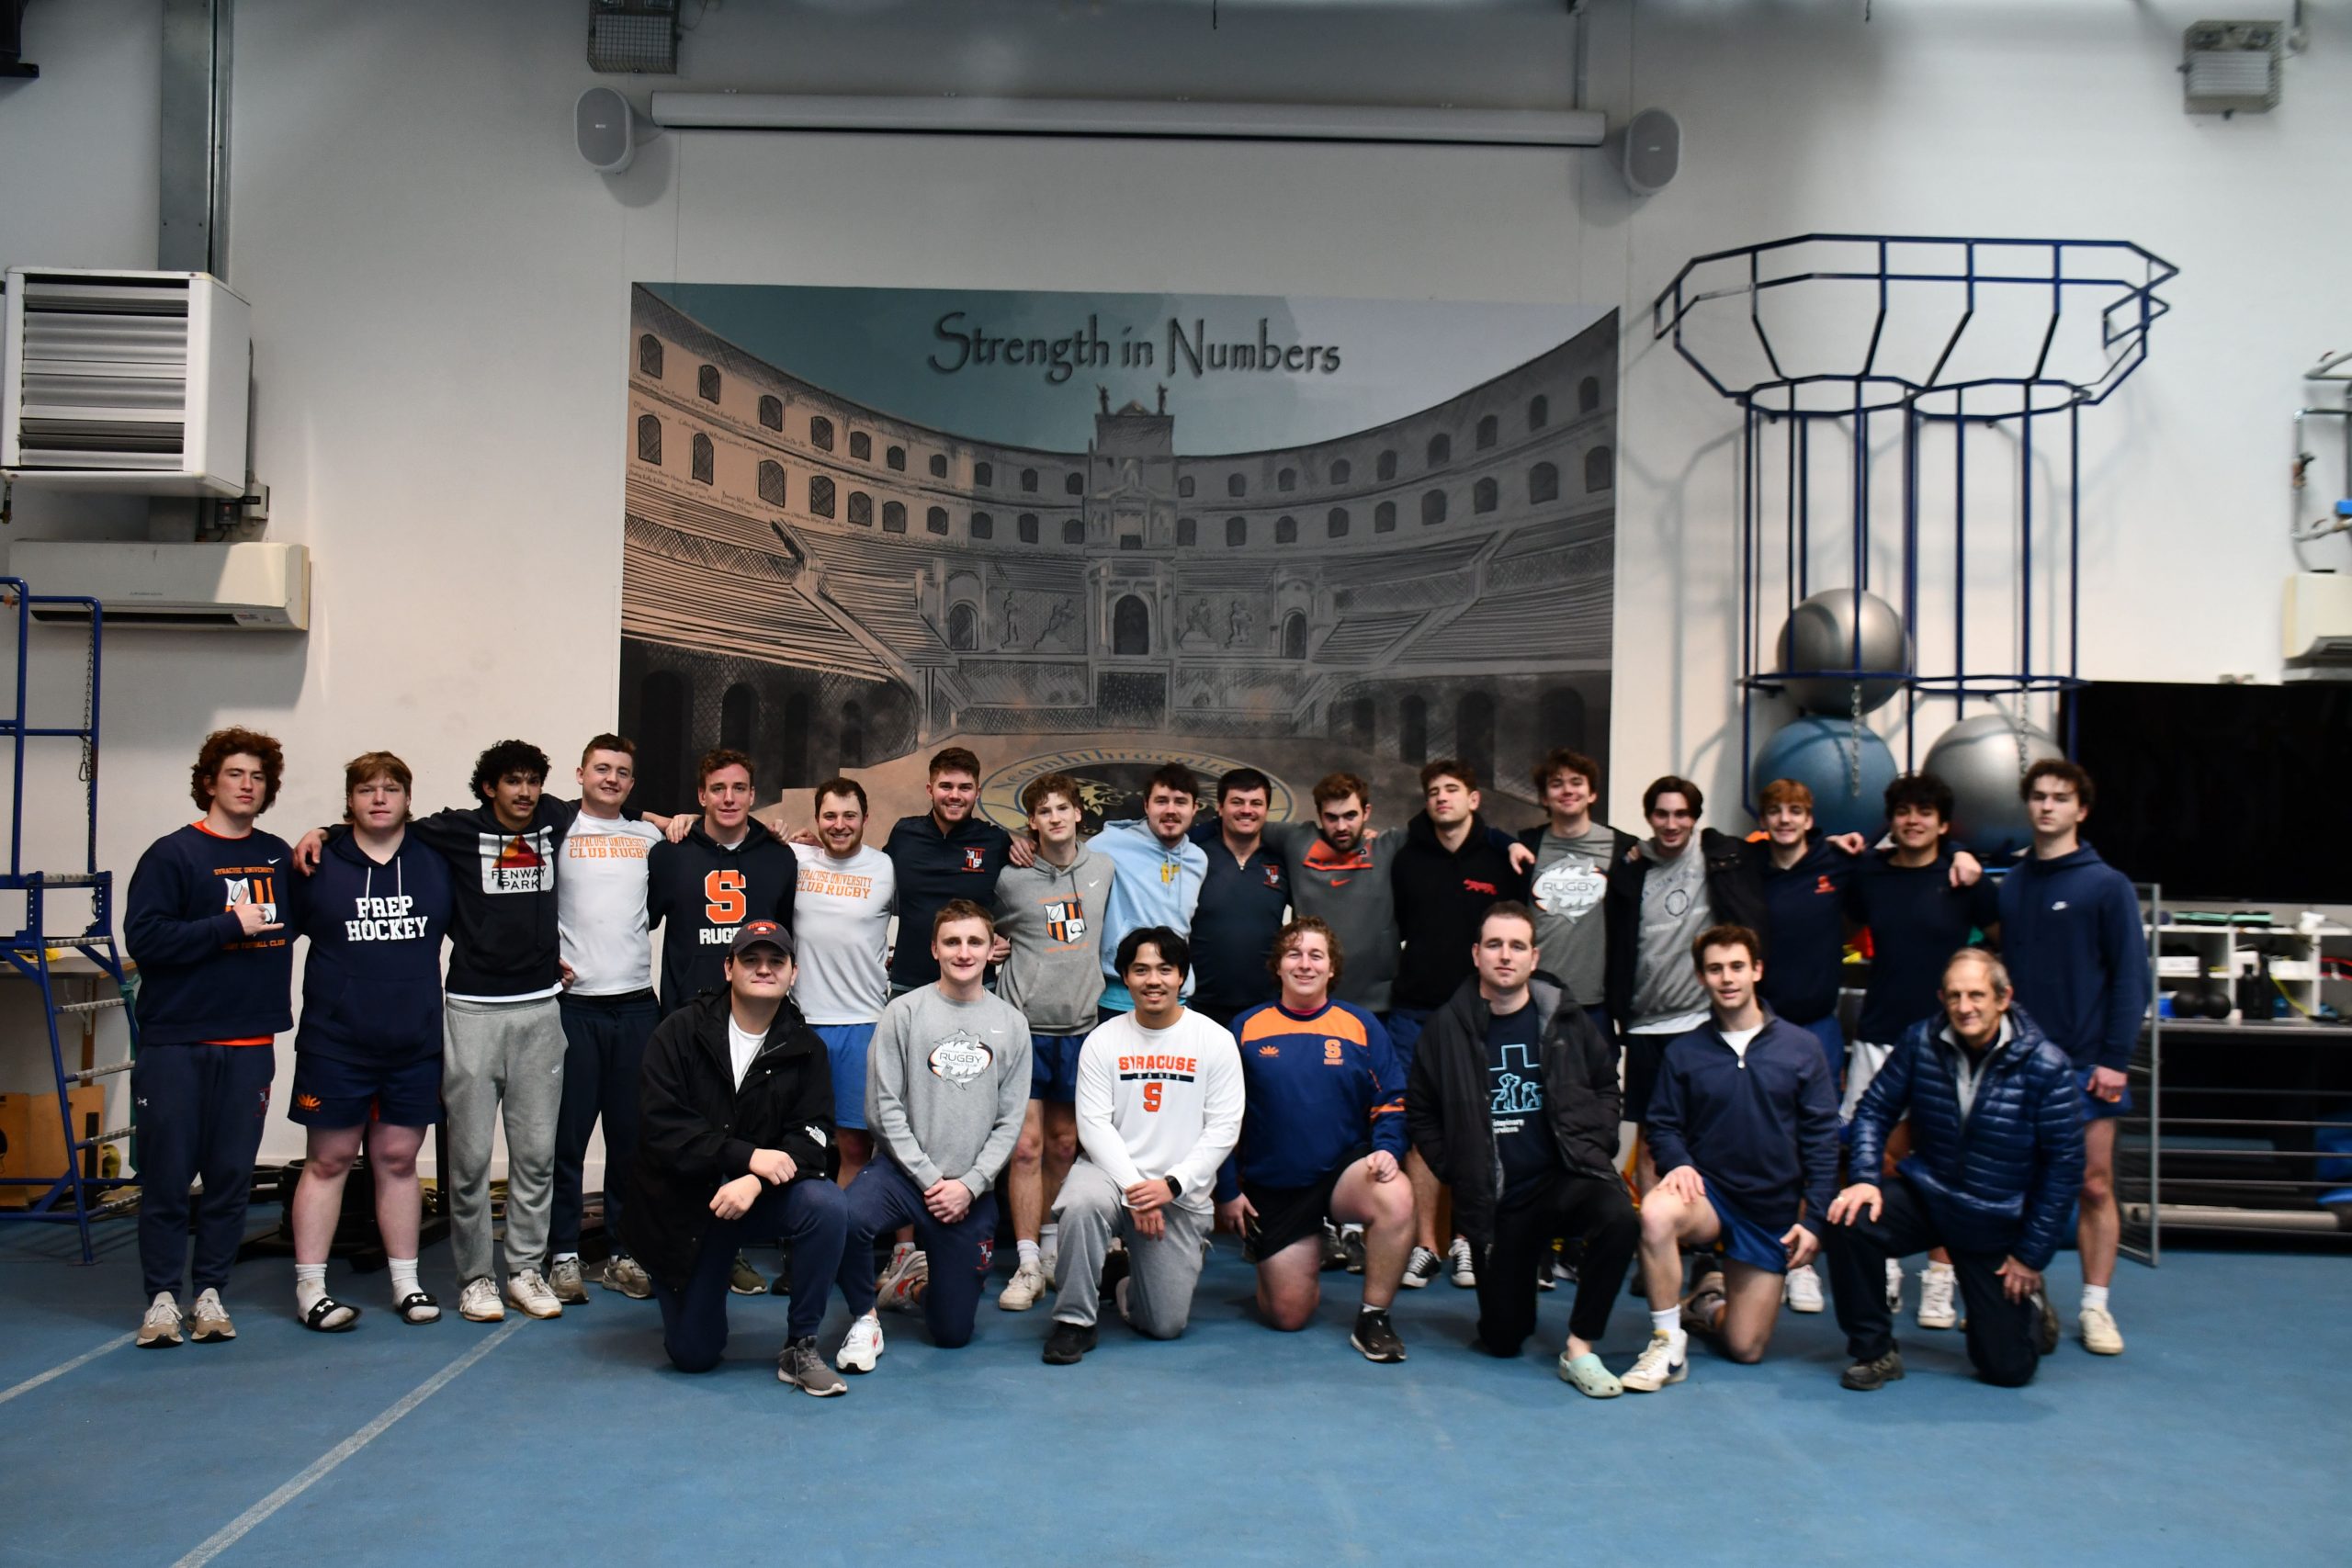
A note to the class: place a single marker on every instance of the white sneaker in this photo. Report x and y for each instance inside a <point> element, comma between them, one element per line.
<point>1421,1268</point>
<point>2100,1337</point>
<point>1802,1289</point>
<point>479,1302</point>
<point>208,1320</point>
<point>1936,1283</point>
<point>1465,1273</point>
<point>1894,1287</point>
<point>863,1343</point>
<point>1657,1367</point>
<point>1023,1290</point>
<point>902,1283</point>
<point>527,1291</point>
<point>160,1329</point>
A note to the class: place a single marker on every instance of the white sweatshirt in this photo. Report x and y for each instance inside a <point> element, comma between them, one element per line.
<point>1153,1102</point>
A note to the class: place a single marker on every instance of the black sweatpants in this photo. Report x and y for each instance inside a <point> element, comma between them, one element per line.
<point>2000,1331</point>
<point>604,1051</point>
<point>1589,1207</point>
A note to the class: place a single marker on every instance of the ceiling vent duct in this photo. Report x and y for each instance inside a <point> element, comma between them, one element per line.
<point>2229,67</point>
<point>631,36</point>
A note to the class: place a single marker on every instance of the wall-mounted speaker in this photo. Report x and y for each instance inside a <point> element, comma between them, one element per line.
<point>607,130</point>
<point>1652,152</point>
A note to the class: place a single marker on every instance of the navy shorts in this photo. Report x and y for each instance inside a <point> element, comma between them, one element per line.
<point>846,1045</point>
<point>1745,1241</point>
<point>331,1092</point>
<point>1053,1067</point>
<point>1405,1026</point>
<point>2098,1109</point>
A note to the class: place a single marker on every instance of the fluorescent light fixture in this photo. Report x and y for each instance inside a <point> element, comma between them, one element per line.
<point>1124,118</point>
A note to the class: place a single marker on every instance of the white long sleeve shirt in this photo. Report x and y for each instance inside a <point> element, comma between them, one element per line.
<point>1154,1102</point>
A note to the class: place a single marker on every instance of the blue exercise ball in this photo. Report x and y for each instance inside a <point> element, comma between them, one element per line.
<point>1848,768</point>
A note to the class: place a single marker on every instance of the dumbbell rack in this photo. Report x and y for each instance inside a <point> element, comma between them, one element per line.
<point>33,951</point>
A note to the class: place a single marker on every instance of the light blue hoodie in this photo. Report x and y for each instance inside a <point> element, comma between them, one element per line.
<point>1155,886</point>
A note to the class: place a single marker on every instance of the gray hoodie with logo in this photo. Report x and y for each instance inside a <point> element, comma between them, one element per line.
<point>947,1085</point>
<point>1051,916</point>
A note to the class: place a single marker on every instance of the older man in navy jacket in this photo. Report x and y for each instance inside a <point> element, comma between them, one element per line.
<point>1997,1153</point>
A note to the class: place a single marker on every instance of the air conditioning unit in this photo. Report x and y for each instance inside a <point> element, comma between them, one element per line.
<point>2231,67</point>
<point>249,587</point>
<point>2318,627</point>
<point>125,381</point>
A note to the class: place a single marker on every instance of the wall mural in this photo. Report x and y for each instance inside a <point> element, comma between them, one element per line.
<point>1091,533</point>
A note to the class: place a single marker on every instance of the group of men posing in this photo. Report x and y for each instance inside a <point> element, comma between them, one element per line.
<point>1305,1033</point>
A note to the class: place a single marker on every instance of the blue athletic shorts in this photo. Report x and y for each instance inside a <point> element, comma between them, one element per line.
<point>1405,1026</point>
<point>2098,1109</point>
<point>1053,1067</point>
<point>330,1092</point>
<point>1745,1241</point>
<point>846,1047</point>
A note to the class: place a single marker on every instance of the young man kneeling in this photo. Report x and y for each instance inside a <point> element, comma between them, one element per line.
<point>1744,1122</point>
<point>735,1123</point>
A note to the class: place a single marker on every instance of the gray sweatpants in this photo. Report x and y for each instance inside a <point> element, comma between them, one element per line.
<point>1161,1271</point>
<point>501,1059</point>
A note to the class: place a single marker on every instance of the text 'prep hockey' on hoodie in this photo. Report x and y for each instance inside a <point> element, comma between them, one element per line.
<point>698,891</point>
<point>371,985</point>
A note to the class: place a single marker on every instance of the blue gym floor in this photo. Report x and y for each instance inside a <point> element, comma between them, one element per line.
<point>2222,1436</point>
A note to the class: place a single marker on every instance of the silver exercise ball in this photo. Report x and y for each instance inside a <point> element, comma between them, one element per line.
<point>1820,635</point>
<point>1983,758</point>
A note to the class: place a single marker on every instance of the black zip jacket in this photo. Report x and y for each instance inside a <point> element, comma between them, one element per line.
<point>698,893</point>
<point>1735,892</point>
<point>1449,1103</point>
<point>1440,896</point>
<point>696,1131</point>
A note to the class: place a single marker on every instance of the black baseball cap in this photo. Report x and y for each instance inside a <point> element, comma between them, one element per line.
<point>760,933</point>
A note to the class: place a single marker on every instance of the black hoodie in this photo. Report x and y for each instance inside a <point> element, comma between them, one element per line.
<point>699,893</point>
<point>502,938</point>
<point>1449,1099</point>
<point>697,1130</point>
<point>1440,896</point>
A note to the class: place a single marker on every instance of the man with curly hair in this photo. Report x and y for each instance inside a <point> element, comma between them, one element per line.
<point>208,919</point>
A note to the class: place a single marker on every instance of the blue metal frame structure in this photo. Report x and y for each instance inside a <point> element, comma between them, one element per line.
<point>74,1195</point>
<point>2121,278</point>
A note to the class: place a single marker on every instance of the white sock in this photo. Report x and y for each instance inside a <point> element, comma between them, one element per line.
<point>1049,1235</point>
<point>2094,1296</point>
<point>564,1256</point>
<point>1669,1322</point>
<point>404,1276</point>
<point>1031,1257</point>
<point>1941,1270</point>
<point>310,1285</point>
<point>1351,1228</point>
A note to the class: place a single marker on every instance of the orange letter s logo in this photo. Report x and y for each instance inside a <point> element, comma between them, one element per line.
<point>724,904</point>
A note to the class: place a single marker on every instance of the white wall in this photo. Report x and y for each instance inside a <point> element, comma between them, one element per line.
<point>441,293</point>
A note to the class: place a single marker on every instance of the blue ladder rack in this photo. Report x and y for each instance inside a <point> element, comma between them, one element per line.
<point>77,1194</point>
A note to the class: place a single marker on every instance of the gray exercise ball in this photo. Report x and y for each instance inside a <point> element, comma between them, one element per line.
<point>1983,758</point>
<point>1820,635</point>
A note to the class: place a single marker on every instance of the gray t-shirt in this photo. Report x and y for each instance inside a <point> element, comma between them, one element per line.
<point>1570,877</point>
<point>1674,911</point>
<point>947,1085</point>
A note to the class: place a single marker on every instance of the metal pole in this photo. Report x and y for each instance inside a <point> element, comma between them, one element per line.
<point>1958,550</point>
<point>2025,545</point>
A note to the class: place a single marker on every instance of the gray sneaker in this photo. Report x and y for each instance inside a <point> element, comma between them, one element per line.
<point>160,1329</point>
<point>801,1365</point>
<point>566,1280</point>
<point>208,1320</point>
<point>627,1275</point>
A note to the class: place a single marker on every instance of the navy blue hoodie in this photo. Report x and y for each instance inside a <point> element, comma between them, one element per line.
<point>200,978</point>
<point>698,893</point>
<point>2077,955</point>
<point>1762,1130</point>
<point>1807,906</point>
<point>932,868</point>
<point>371,986</point>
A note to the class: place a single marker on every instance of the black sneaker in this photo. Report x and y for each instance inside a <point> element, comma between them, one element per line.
<point>1067,1343</point>
<point>1352,1244</point>
<point>1376,1337</point>
<point>1867,1377</point>
<point>743,1279</point>
<point>2045,1328</point>
<point>1421,1268</point>
<point>801,1366</point>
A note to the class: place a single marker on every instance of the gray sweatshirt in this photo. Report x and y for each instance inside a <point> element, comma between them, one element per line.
<point>1351,893</point>
<point>947,1085</point>
<point>1052,916</point>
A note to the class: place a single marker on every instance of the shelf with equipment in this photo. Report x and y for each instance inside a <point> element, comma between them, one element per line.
<point>2247,1127</point>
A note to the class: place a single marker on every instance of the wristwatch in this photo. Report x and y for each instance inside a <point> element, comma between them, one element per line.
<point>1175,1188</point>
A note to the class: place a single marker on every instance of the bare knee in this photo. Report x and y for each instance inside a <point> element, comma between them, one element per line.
<point>329,1165</point>
<point>1288,1313</point>
<point>2098,1188</point>
<point>1747,1352</point>
<point>1661,1222</point>
<point>1029,1151</point>
<point>1061,1148</point>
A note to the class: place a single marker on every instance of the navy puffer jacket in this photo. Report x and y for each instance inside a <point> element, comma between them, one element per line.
<point>2005,1181</point>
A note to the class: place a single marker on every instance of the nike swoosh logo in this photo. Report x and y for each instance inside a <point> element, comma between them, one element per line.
<point>273,860</point>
